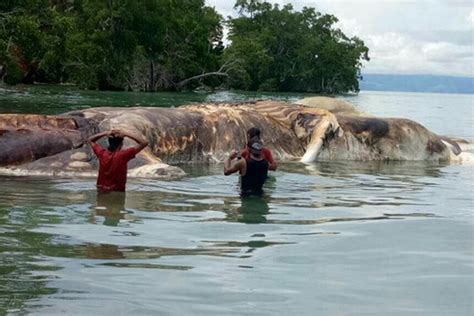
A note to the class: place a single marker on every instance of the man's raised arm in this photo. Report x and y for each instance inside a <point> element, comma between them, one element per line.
<point>97,136</point>
<point>141,142</point>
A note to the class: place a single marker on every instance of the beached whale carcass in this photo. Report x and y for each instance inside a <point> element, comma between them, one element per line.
<point>54,145</point>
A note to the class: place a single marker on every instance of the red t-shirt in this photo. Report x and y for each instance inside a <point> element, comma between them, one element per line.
<point>112,167</point>
<point>266,153</point>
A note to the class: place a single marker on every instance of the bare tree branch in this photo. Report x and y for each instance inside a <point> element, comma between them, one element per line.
<point>182,83</point>
<point>222,72</point>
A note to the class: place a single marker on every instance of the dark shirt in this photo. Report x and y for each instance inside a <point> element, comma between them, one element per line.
<point>252,182</point>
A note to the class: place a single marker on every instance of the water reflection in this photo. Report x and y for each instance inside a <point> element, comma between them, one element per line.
<point>185,225</point>
<point>397,169</point>
<point>107,251</point>
<point>24,273</point>
<point>110,205</point>
<point>253,210</point>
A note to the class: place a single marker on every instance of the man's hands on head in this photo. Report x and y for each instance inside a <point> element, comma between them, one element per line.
<point>115,133</point>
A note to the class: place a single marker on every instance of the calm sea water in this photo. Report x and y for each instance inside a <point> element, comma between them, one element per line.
<point>343,238</point>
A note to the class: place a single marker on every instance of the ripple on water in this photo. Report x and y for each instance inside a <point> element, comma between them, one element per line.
<point>199,230</point>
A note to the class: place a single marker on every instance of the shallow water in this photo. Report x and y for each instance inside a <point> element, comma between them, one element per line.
<point>342,238</point>
<point>60,99</point>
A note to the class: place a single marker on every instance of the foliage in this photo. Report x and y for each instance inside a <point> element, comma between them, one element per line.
<point>109,44</point>
<point>284,50</point>
<point>155,45</point>
<point>32,41</point>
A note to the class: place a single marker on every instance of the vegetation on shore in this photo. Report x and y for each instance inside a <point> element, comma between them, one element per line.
<point>158,45</point>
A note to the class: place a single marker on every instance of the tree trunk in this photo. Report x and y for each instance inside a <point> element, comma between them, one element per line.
<point>151,86</point>
<point>2,74</point>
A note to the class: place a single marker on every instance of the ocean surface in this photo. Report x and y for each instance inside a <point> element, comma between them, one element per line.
<point>341,238</point>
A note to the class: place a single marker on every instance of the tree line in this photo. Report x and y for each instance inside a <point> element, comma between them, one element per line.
<point>158,45</point>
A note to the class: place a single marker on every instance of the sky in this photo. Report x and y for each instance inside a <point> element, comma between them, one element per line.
<point>404,36</point>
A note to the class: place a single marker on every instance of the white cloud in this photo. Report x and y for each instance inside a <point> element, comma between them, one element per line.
<point>398,53</point>
<point>225,8</point>
<point>470,18</point>
<point>441,51</point>
<point>350,26</point>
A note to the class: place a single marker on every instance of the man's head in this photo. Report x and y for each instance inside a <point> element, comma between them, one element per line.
<point>255,146</point>
<point>115,143</point>
<point>253,132</point>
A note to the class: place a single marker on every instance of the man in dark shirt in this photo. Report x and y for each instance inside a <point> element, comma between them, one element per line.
<point>266,153</point>
<point>253,170</point>
<point>113,160</point>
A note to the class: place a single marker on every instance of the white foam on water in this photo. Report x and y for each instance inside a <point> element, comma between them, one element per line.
<point>466,146</point>
<point>465,158</point>
<point>25,172</point>
<point>155,171</point>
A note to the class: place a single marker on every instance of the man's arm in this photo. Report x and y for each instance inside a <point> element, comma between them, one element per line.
<point>244,153</point>
<point>141,142</point>
<point>98,136</point>
<point>272,165</point>
<point>230,168</point>
<point>96,148</point>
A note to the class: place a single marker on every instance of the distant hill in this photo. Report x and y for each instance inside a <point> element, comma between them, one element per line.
<point>417,83</point>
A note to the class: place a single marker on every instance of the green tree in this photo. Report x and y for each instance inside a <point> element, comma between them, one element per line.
<point>283,50</point>
<point>145,45</point>
<point>111,44</point>
<point>154,45</point>
<point>32,41</point>
<point>102,43</point>
<point>178,40</point>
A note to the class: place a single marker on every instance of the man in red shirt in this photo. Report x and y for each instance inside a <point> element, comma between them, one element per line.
<point>265,152</point>
<point>113,160</point>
